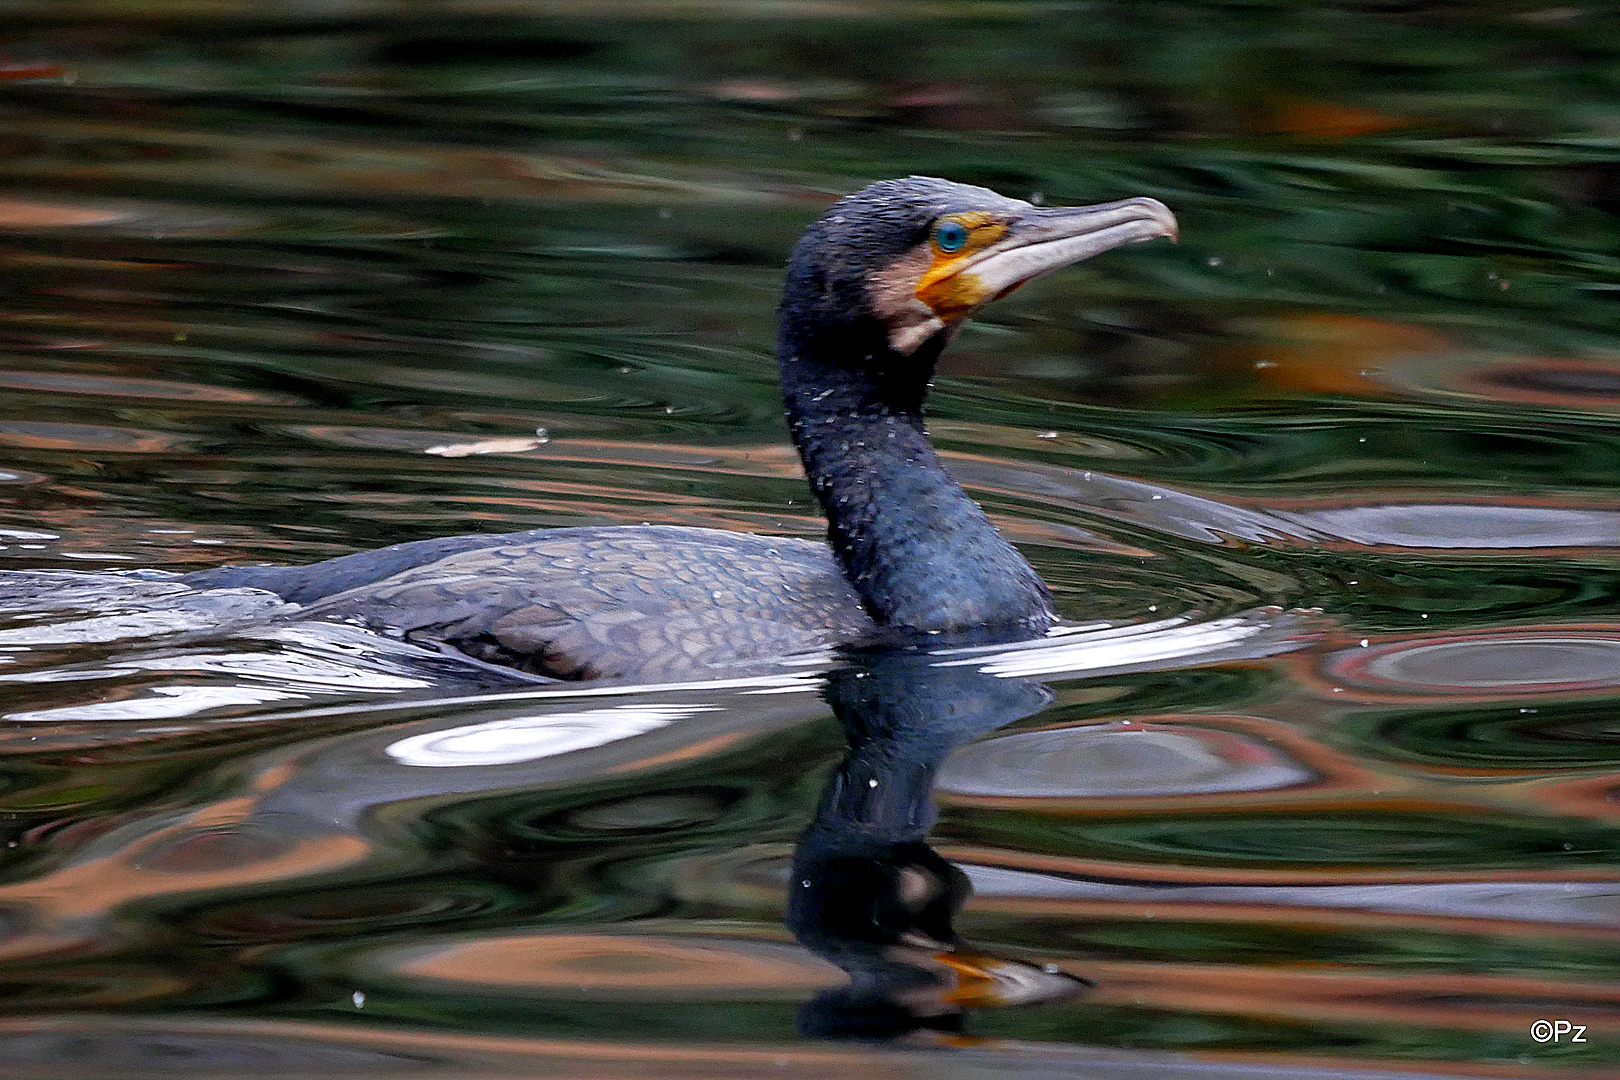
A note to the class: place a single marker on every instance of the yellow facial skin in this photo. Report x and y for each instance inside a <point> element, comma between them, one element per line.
<point>950,291</point>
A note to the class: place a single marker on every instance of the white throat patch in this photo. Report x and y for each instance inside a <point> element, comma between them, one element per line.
<point>892,292</point>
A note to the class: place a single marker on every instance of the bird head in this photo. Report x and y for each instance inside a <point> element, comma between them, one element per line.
<point>921,254</point>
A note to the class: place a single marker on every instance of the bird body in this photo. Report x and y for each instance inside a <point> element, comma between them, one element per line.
<point>629,602</point>
<point>875,290</point>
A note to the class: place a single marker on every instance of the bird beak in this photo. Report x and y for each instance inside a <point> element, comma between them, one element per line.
<point>1037,242</point>
<point>1049,239</point>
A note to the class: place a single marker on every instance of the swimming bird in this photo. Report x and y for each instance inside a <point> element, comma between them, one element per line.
<point>875,290</point>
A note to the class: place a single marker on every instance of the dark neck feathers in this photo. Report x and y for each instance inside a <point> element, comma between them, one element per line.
<point>920,552</point>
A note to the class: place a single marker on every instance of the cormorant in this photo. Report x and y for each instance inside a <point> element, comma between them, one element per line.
<point>875,290</point>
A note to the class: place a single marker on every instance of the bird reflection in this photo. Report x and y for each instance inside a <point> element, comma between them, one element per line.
<point>867,892</point>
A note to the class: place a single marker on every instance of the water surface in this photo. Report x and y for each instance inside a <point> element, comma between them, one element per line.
<point>1336,794</point>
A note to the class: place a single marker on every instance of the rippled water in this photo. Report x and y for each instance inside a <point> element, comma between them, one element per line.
<point>1324,783</point>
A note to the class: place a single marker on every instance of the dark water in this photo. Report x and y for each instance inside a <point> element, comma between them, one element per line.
<point>287,281</point>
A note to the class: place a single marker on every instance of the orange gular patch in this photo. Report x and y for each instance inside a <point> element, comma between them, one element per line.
<point>949,290</point>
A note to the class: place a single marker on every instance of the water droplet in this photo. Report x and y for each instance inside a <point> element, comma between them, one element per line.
<point>359,999</point>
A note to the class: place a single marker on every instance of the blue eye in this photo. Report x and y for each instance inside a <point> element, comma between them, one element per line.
<point>951,236</point>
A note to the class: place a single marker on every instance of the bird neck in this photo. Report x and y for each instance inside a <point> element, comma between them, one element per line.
<point>920,552</point>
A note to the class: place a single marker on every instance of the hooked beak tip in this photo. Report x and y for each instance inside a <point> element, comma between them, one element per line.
<point>1160,215</point>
